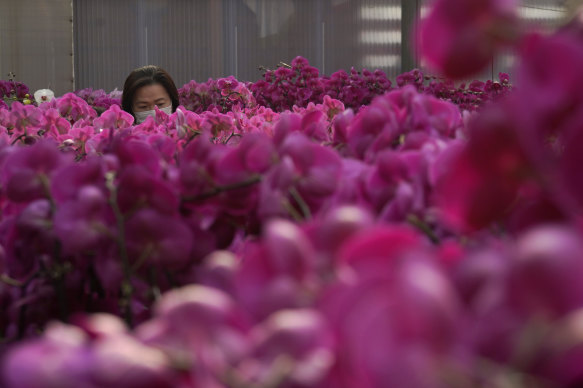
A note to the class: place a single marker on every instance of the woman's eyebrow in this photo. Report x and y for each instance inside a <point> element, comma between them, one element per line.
<point>161,99</point>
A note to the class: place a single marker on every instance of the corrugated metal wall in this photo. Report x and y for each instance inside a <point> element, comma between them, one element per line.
<point>332,35</point>
<point>112,37</point>
<point>36,43</point>
<point>216,38</point>
<point>198,39</point>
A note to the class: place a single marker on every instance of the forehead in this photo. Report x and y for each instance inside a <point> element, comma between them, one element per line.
<point>150,93</point>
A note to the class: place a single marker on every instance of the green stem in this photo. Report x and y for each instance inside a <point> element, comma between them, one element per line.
<point>231,136</point>
<point>280,370</point>
<point>60,268</point>
<point>23,308</point>
<point>11,282</point>
<point>95,282</point>
<point>170,279</point>
<point>155,289</point>
<point>143,257</point>
<point>126,288</point>
<point>61,298</point>
<point>419,224</point>
<point>22,316</point>
<point>17,139</point>
<point>220,189</point>
<point>301,203</point>
<point>291,210</point>
<point>282,367</point>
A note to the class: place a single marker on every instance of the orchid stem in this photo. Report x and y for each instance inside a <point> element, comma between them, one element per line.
<point>419,224</point>
<point>126,288</point>
<point>301,203</point>
<point>22,315</point>
<point>155,289</point>
<point>292,210</point>
<point>220,189</point>
<point>11,282</point>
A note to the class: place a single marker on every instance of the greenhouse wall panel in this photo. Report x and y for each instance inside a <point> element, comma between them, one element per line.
<point>74,44</point>
<point>36,43</point>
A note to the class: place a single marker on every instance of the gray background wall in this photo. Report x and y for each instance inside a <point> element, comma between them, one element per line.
<point>36,43</point>
<point>73,44</point>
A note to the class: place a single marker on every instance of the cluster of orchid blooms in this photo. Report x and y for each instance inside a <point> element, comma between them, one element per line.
<point>290,233</point>
<point>299,84</point>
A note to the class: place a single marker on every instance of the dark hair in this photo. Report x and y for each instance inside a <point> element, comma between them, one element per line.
<point>143,76</point>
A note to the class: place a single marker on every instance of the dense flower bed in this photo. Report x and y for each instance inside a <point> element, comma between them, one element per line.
<point>202,181</point>
<point>299,84</point>
<point>12,91</point>
<point>241,243</point>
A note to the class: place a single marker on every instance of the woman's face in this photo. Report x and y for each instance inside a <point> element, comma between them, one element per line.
<point>149,96</point>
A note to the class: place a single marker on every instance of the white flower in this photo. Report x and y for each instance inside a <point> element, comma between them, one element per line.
<point>115,93</point>
<point>43,95</point>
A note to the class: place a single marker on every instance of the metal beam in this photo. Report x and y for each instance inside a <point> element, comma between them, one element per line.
<point>410,10</point>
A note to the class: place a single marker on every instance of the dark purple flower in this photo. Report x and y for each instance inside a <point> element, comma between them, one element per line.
<point>158,240</point>
<point>27,171</point>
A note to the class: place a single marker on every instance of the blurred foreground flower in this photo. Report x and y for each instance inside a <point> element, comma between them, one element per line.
<point>460,37</point>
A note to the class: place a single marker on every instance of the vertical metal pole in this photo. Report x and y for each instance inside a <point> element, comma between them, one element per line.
<point>323,48</point>
<point>142,34</point>
<point>410,10</point>
<point>230,56</point>
<point>318,56</point>
<point>236,52</point>
<point>73,53</point>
